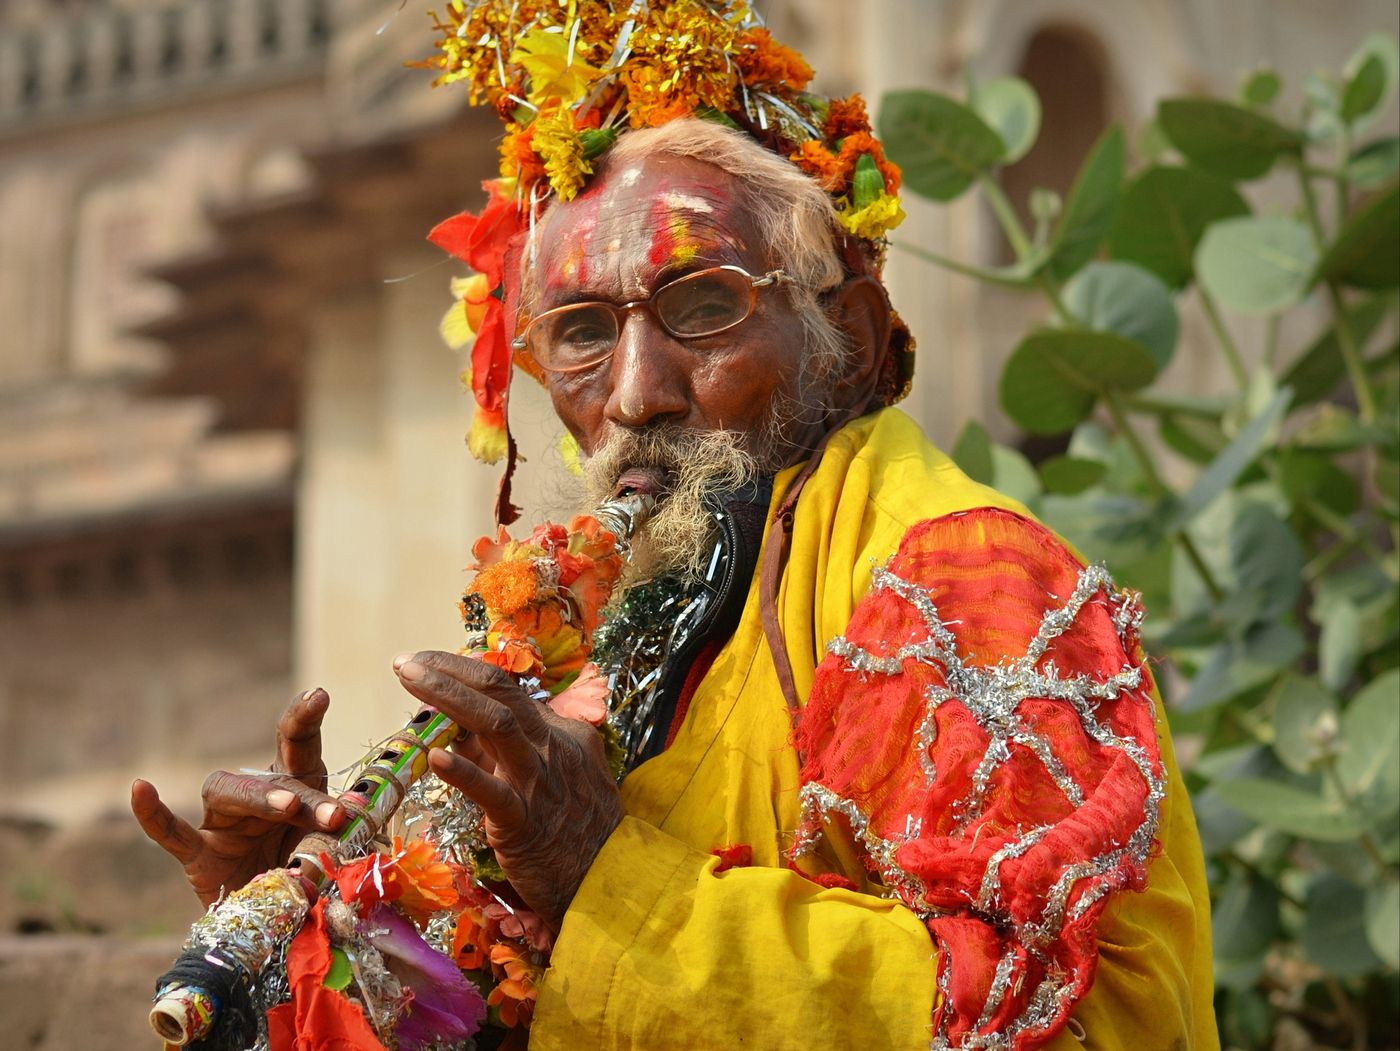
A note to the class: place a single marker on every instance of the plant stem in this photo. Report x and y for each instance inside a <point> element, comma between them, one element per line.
<point>1006,215</point>
<point>1368,844</point>
<point>1222,335</point>
<point>1346,531</point>
<point>1346,342</point>
<point>1159,488</point>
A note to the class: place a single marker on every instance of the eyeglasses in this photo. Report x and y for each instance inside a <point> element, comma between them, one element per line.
<point>581,335</point>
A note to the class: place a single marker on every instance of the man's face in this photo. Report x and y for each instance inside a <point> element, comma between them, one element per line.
<point>636,228</point>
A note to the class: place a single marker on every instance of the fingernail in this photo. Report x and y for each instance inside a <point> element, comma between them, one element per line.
<point>281,799</point>
<point>412,670</point>
<point>326,813</point>
<point>401,660</point>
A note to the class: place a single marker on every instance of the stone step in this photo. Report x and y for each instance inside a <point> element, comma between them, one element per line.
<point>74,992</point>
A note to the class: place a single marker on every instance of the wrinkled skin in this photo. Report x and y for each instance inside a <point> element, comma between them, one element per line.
<point>542,781</point>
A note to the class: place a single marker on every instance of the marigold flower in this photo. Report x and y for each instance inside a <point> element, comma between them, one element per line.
<point>821,164</point>
<point>768,65</point>
<point>875,219</point>
<point>558,144</point>
<point>853,146</point>
<point>507,587</point>
<point>845,117</point>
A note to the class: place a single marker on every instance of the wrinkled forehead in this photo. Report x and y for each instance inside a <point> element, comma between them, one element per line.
<point>639,222</point>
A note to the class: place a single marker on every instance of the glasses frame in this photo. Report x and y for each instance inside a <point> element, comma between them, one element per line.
<point>621,310</point>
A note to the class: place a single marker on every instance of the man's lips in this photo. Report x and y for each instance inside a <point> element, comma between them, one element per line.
<point>650,481</point>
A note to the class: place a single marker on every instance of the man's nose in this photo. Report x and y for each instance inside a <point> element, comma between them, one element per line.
<point>649,380</point>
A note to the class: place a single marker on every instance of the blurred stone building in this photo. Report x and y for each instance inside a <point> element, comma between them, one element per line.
<point>231,458</point>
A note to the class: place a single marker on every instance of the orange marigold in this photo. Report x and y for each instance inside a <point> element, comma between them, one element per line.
<point>518,157</point>
<point>821,164</point>
<point>766,64</point>
<point>862,142</point>
<point>845,117</point>
<point>507,587</point>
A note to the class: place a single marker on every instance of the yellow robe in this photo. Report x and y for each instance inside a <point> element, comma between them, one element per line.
<point>658,951</point>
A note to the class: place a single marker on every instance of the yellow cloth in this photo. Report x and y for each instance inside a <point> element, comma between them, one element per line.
<point>657,951</point>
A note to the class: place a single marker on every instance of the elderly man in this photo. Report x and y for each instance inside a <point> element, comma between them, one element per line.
<point>899,765</point>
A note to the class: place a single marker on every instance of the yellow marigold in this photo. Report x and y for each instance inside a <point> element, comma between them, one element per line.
<point>768,65</point>
<point>557,142</point>
<point>875,219</point>
<point>680,62</point>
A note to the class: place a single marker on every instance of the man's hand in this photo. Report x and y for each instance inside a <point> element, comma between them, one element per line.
<point>251,823</point>
<point>542,781</point>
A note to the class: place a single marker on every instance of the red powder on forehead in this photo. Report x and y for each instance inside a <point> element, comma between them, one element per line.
<point>663,234</point>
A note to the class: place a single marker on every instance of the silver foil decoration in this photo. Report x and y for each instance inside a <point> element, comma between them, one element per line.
<point>993,695</point>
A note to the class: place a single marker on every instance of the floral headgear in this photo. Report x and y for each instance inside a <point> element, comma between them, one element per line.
<point>567,77</point>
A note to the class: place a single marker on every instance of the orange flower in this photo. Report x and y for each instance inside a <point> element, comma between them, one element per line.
<point>518,157</point>
<point>471,940</point>
<point>767,65</point>
<point>514,996</point>
<point>821,164</point>
<point>845,117</point>
<point>862,142</point>
<point>507,587</point>
<point>429,883</point>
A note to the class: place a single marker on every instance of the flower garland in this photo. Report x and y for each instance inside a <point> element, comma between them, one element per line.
<point>567,78</point>
<point>416,948</point>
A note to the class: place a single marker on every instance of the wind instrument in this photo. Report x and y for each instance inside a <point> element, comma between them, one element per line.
<point>208,990</point>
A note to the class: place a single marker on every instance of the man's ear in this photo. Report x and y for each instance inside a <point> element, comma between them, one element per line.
<point>861,309</point>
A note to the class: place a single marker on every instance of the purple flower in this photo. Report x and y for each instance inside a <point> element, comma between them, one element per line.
<point>446,1007</point>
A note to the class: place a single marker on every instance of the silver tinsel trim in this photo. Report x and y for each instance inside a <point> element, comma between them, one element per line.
<point>993,696</point>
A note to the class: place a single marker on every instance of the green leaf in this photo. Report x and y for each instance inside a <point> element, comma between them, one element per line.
<point>1221,137</point>
<point>1305,723</point>
<point>1318,370</point>
<point>1244,922</point>
<point>1370,762</point>
<point>1266,566</point>
<point>1364,89</point>
<point>1335,429</point>
<point>1374,164</point>
<point>1338,645</point>
<point>1065,474</point>
<point>1260,87</point>
<point>1237,666</point>
<point>1364,254</point>
<point>1054,377</point>
<point>973,453</point>
<point>1015,476</point>
<point>339,974</point>
<point>1127,300</point>
<point>1334,928</point>
<point>1311,476</point>
<point>1226,468</point>
<point>1254,265</point>
<point>1163,215</point>
<point>1011,108</point>
<point>941,145</point>
<point>1089,212</point>
<point>1290,809</point>
<point>1383,920</point>
<point>1371,75</point>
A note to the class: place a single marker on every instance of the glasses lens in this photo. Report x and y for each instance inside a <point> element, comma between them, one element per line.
<point>705,303</point>
<point>573,337</point>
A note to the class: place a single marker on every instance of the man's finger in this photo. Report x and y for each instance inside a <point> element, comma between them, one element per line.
<point>476,674</point>
<point>507,732</point>
<point>299,738</point>
<point>501,803</point>
<point>280,800</point>
<point>173,834</point>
